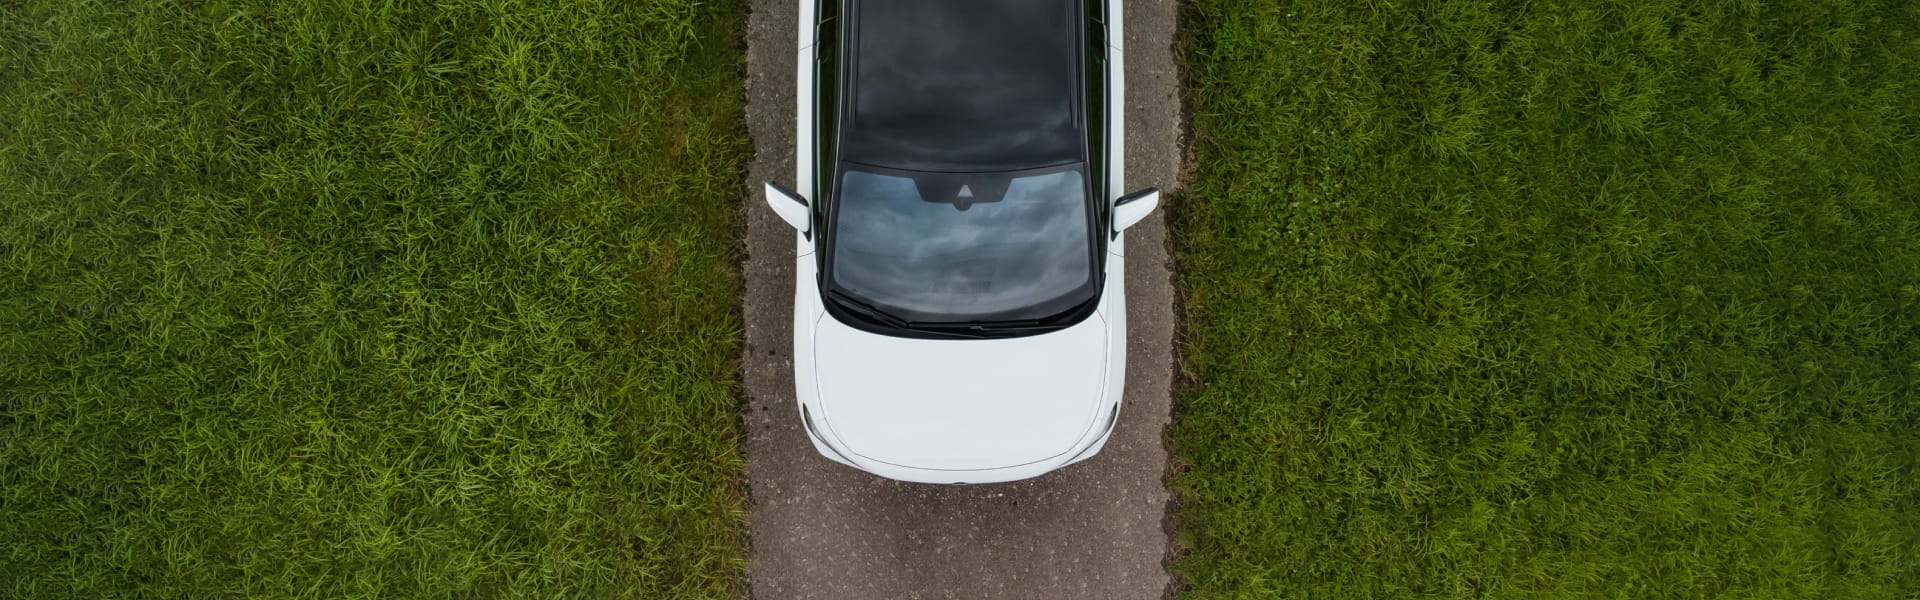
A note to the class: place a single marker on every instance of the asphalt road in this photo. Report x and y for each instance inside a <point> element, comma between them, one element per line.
<point>1092,530</point>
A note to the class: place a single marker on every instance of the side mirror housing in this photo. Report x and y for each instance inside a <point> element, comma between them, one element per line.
<point>791,207</point>
<point>1131,208</point>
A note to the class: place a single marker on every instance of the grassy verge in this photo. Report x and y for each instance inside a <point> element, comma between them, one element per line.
<point>1552,299</point>
<point>369,299</point>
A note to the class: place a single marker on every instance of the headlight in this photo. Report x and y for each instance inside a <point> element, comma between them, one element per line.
<point>806,416</point>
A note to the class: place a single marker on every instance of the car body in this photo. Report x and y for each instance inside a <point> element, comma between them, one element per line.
<point>959,313</point>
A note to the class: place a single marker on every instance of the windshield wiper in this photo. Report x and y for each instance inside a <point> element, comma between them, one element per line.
<point>985,329</point>
<point>848,302</point>
<point>1013,326</point>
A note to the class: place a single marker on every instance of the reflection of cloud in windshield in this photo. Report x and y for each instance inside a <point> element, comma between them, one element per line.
<point>894,249</point>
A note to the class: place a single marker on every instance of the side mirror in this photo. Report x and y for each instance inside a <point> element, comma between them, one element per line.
<point>1131,208</point>
<point>791,207</point>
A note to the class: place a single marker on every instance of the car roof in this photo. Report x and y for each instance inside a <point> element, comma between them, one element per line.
<point>963,85</point>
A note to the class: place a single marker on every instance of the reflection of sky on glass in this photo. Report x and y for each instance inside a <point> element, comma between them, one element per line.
<point>896,250</point>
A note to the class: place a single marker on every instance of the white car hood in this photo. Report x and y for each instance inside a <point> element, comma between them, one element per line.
<point>960,404</point>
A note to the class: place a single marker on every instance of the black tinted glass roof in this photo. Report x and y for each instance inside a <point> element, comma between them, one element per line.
<point>963,85</point>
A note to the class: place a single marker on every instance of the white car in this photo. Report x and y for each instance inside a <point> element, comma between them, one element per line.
<point>959,314</point>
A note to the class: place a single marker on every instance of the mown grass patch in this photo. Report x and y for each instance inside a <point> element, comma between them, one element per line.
<point>1552,299</point>
<point>369,299</point>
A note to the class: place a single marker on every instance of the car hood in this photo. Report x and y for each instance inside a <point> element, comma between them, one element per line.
<point>960,404</point>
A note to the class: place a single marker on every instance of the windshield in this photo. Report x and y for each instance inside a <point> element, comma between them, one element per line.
<point>960,247</point>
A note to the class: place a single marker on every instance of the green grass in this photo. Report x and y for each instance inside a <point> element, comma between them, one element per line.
<point>337,299</point>
<point>1561,299</point>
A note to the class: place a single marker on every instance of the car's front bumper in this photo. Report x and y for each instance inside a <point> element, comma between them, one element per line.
<point>1083,451</point>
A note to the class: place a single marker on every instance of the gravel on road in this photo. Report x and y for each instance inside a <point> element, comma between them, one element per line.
<point>1093,530</point>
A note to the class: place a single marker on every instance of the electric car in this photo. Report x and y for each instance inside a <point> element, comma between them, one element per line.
<point>959,314</point>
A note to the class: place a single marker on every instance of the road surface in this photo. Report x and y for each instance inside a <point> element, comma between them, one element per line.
<point>1094,530</point>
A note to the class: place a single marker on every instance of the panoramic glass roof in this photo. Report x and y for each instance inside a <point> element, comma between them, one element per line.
<point>963,85</point>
